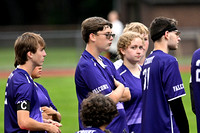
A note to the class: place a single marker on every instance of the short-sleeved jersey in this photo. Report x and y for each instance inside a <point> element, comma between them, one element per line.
<point>20,88</point>
<point>44,97</point>
<point>195,80</point>
<point>133,108</point>
<point>90,76</point>
<point>91,130</point>
<point>161,82</point>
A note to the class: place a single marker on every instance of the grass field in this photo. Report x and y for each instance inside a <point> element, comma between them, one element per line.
<point>62,92</point>
<point>62,89</point>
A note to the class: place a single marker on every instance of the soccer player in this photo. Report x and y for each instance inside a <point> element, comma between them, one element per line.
<point>131,49</point>
<point>97,111</point>
<point>162,110</point>
<point>22,109</point>
<point>49,110</point>
<point>95,73</point>
<point>195,85</point>
<point>143,30</point>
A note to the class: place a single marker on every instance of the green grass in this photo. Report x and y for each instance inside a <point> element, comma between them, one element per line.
<point>57,57</point>
<point>62,89</point>
<point>62,93</point>
<point>187,103</point>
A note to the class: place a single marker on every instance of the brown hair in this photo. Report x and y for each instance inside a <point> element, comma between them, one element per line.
<point>93,25</point>
<point>28,41</point>
<point>97,110</point>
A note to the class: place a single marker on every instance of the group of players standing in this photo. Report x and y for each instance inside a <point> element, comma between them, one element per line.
<point>136,94</point>
<point>147,93</point>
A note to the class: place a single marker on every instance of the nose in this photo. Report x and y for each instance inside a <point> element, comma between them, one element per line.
<point>44,54</point>
<point>179,38</point>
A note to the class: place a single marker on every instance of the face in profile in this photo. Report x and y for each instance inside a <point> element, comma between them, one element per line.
<point>37,72</point>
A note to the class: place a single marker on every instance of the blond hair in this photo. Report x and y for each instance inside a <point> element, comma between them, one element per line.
<point>136,27</point>
<point>125,40</point>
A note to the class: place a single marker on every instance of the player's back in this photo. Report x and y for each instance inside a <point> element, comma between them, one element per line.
<point>155,77</point>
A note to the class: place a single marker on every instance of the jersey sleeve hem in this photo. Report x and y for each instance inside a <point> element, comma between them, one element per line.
<point>176,97</point>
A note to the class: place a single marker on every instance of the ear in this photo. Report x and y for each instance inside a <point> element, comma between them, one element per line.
<point>166,35</point>
<point>92,37</point>
<point>29,54</point>
<point>122,51</point>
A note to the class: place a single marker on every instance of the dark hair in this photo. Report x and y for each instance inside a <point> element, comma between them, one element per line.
<point>160,25</point>
<point>93,25</point>
<point>97,110</point>
<point>26,42</point>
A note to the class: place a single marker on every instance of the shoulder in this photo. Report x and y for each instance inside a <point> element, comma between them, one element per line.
<point>164,57</point>
<point>118,63</point>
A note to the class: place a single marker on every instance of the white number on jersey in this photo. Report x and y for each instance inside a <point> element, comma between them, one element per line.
<point>198,71</point>
<point>6,98</point>
<point>146,78</point>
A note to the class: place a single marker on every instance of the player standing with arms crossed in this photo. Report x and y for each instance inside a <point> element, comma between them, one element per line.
<point>163,111</point>
<point>22,109</point>
<point>95,73</point>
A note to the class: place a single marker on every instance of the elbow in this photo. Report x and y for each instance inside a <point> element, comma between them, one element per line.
<point>23,124</point>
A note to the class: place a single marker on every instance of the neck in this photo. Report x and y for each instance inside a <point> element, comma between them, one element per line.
<point>132,67</point>
<point>93,51</point>
<point>27,67</point>
<point>161,45</point>
<point>103,127</point>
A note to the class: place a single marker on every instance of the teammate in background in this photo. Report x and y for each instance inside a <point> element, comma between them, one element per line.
<point>95,73</point>
<point>162,86</point>
<point>97,111</point>
<point>131,49</point>
<point>22,109</point>
<point>49,111</point>
<point>143,30</point>
<point>117,29</point>
<point>195,86</point>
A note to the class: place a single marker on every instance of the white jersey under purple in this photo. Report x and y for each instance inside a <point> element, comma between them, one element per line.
<point>195,78</point>
<point>20,88</point>
<point>161,82</point>
<point>90,76</point>
<point>133,107</point>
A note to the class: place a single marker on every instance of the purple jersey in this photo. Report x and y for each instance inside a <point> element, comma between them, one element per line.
<point>133,107</point>
<point>91,130</point>
<point>43,96</point>
<point>20,87</point>
<point>195,78</point>
<point>93,77</point>
<point>161,82</point>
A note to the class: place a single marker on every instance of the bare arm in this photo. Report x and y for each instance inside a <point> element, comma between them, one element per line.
<point>50,113</point>
<point>126,95</point>
<point>27,123</point>
<point>118,92</point>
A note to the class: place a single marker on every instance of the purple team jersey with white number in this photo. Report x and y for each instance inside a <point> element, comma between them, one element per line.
<point>20,87</point>
<point>161,82</point>
<point>90,76</point>
<point>133,108</point>
<point>195,78</point>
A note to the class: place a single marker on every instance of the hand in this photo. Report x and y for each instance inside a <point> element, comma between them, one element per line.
<point>53,129</point>
<point>48,112</point>
<point>49,121</point>
<point>117,83</point>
